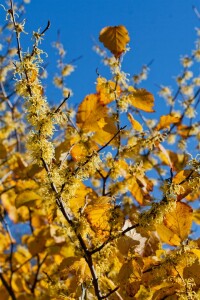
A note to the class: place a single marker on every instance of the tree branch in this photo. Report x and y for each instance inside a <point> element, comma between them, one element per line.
<point>8,288</point>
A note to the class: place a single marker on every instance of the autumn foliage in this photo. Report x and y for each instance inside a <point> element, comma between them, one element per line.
<point>99,201</point>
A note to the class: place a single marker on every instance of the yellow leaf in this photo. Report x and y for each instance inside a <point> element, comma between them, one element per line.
<point>135,124</point>
<point>37,243</point>
<point>19,284</point>
<point>136,191</point>
<point>108,90</point>
<point>107,284</point>
<point>196,252</point>
<point>93,117</point>
<point>67,250</point>
<point>166,121</point>
<point>80,199</point>
<point>176,224</point>
<point>28,184</point>
<point>8,201</point>
<point>167,236</point>
<point>141,99</point>
<point>178,160</point>
<point>98,214</point>
<point>76,266</point>
<point>166,155</point>
<point>182,178</point>
<point>90,111</point>
<point>194,195</point>
<point>27,198</point>
<point>38,220</point>
<point>115,39</point>
<point>167,292</point>
<point>106,130</point>
<point>79,152</point>
<point>82,149</point>
<point>184,131</point>
<point>196,216</point>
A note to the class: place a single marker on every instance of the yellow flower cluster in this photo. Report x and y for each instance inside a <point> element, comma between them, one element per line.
<point>156,213</point>
<point>38,111</point>
<point>141,76</point>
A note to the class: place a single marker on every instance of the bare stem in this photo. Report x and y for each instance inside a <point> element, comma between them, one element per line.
<point>61,104</point>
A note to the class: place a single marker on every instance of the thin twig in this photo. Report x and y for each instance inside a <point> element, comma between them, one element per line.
<point>114,136</point>
<point>12,108</point>
<point>39,265</point>
<point>110,293</point>
<point>11,250</point>
<point>61,104</point>
<point>17,33</point>
<point>112,238</point>
<point>46,28</point>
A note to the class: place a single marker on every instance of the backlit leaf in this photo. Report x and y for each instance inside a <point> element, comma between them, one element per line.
<point>136,191</point>
<point>90,111</point>
<point>176,224</point>
<point>92,117</point>
<point>108,90</point>
<point>135,124</point>
<point>115,39</point>
<point>141,99</point>
<point>98,214</point>
<point>27,198</point>
<point>76,266</point>
<point>166,121</point>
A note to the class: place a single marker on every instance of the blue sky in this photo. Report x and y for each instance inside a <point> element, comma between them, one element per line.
<point>159,29</point>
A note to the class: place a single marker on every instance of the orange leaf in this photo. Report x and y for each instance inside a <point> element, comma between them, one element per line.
<point>141,99</point>
<point>115,39</point>
<point>136,191</point>
<point>93,117</point>
<point>166,121</point>
<point>108,90</point>
<point>90,111</point>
